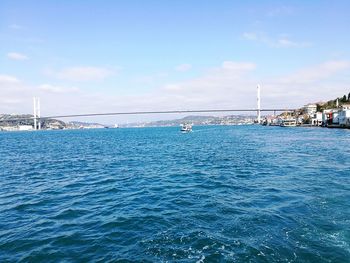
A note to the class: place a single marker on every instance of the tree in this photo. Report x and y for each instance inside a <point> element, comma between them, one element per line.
<point>349,96</point>
<point>319,108</point>
<point>307,119</point>
<point>344,99</point>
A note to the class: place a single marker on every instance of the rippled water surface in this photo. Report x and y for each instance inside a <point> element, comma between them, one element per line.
<point>218,194</point>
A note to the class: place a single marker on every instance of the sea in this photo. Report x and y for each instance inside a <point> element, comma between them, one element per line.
<point>217,194</point>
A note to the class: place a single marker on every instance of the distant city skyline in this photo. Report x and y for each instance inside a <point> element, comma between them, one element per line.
<point>103,56</point>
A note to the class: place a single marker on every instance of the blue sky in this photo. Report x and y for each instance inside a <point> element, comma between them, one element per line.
<point>84,56</point>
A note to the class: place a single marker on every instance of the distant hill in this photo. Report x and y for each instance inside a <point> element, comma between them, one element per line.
<point>197,120</point>
<point>79,124</point>
<point>24,119</point>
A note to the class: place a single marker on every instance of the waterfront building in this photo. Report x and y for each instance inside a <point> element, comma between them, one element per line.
<point>330,117</point>
<point>345,107</point>
<point>300,119</point>
<point>336,117</point>
<point>317,119</point>
<point>54,126</point>
<point>344,116</point>
<point>9,128</point>
<point>25,127</point>
<point>310,109</point>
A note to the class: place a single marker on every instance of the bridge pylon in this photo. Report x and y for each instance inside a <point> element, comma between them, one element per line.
<point>258,104</point>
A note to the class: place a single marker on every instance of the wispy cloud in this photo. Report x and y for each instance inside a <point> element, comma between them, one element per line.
<point>81,73</point>
<point>151,79</point>
<point>317,72</point>
<point>214,87</point>
<point>286,42</point>
<point>252,36</point>
<point>322,81</point>
<point>10,101</point>
<point>17,56</point>
<point>282,41</point>
<point>57,89</point>
<point>281,10</point>
<point>7,79</point>
<point>238,66</point>
<point>229,85</point>
<point>183,67</point>
<point>233,85</point>
<point>11,94</point>
<point>15,26</point>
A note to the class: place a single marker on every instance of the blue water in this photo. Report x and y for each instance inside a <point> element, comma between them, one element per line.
<point>218,194</point>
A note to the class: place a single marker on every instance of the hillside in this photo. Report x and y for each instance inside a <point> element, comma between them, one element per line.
<point>332,103</point>
<point>24,119</point>
<point>197,120</point>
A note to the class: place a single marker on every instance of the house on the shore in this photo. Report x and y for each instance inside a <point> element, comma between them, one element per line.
<point>317,119</point>
<point>310,109</point>
<point>330,117</point>
<point>344,116</point>
<point>339,117</point>
<point>25,127</point>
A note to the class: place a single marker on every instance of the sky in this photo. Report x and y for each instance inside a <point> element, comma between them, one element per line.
<point>110,56</point>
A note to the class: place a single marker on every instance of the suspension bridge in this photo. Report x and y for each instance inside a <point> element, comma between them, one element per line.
<point>37,114</point>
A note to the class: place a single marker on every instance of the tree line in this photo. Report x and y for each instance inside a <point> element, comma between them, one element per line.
<point>333,103</point>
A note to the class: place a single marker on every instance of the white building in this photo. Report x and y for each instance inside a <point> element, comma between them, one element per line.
<point>25,127</point>
<point>9,128</point>
<point>345,107</point>
<point>330,117</point>
<point>310,109</point>
<point>317,119</point>
<point>344,116</point>
<point>336,117</point>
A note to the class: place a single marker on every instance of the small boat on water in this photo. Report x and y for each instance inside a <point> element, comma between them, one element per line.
<point>186,127</point>
<point>288,123</point>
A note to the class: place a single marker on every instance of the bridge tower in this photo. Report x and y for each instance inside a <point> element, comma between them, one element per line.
<point>258,104</point>
<point>36,113</point>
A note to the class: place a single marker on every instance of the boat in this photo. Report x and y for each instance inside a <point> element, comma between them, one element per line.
<point>288,123</point>
<point>186,127</point>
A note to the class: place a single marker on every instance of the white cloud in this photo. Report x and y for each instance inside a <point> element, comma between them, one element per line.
<point>230,85</point>
<point>7,79</point>
<point>233,86</point>
<point>250,36</point>
<point>15,26</point>
<point>282,41</point>
<point>57,89</point>
<point>12,93</point>
<point>183,67</point>
<point>286,42</point>
<point>324,81</point>
<point>316,72</point>
<point>82,73</point>
<point>11,101</point>
<point>17,56</point>
<point>238,66</point>
<point>17,97</point>
<point>230,80</point>
<point>152,79</point>
<point>281,11</point>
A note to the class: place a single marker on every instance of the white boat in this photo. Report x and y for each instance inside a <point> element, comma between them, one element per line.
<point>186,127</point>
<point>288,123</point>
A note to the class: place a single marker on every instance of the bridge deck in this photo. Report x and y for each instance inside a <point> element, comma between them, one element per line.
<point>148,112</point>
